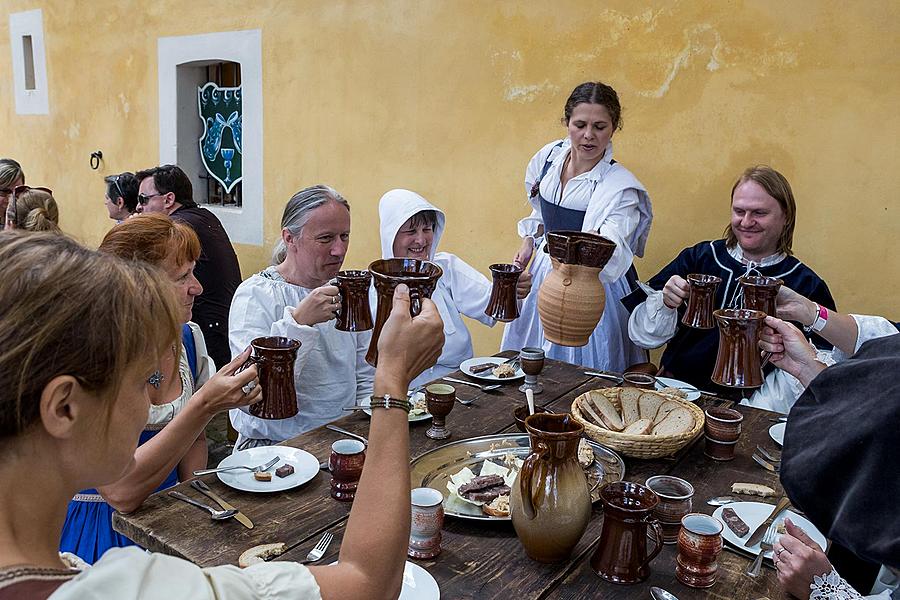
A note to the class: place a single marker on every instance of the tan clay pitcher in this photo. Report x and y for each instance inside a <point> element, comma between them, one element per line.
<point>739,361</point>
<point>572,299</point>
<point>550,503</point>
<point>420,276</point>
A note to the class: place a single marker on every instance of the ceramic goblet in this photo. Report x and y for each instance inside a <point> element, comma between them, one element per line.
<point>532,362</point>
<point>440,398</point>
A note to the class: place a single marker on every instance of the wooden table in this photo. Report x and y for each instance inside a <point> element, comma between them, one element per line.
<point>479,559</point>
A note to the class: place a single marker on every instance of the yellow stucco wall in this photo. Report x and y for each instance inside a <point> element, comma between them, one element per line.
<point>452,98</point>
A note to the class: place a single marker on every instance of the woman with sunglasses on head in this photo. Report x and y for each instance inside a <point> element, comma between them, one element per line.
<point>121,198</point>
<point>32,209</point>
<point>67,423</point>
<point>183,396</point>
<point>11,177</point>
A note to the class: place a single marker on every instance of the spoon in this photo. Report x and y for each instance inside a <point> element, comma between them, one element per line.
<point>355,436</point>
<point>465,402</point>
<point>661,594</point>
<point>483,388</point>
<point>722,500</point>
<point>215,515</point>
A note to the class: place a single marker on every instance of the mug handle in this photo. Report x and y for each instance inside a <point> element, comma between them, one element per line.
<point>526,474</point>
<point>657,539</point>
<point>250,360</point>
<point>415,301</point>
<point>764,358</point>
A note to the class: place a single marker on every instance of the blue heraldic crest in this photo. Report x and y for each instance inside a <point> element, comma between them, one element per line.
<point>220,144</point>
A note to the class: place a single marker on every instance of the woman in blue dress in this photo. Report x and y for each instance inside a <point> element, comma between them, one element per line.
<point>173,443</point>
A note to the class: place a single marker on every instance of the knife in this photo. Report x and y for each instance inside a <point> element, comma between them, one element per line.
<point>204,489</point>
<point>760,531</point>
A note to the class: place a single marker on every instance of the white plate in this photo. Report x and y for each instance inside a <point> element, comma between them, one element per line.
<point>692,396</point>
<point>487,375</point>
<point>418,584</point>
<point>305,468</point>
<point>753,514</point>
<point>776,432</point>
<point>412,398</point>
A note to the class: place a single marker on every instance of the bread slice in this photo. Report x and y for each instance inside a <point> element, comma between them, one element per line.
<point>630,411</point>
<point>589,414</point>
<point>649,405</point>
<point>606,410</point>
<point>258,554</point>
<point>664,409</point>
<point>639,427</point>
<point>676,422</point>
<point>753,489</point>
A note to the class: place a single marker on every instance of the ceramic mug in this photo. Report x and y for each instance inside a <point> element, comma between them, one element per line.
<point>718,450</point>
<point>699,545</point>
<point>354,312</point>
<point>723,424</point>
<point>701,301</point>
<point>502,305</point>
<point>640,380</point>
<point>427,521</point>
<point>675,501</point>
<point>759,293</point>
<point>346,465</point>
<point>274,357</point>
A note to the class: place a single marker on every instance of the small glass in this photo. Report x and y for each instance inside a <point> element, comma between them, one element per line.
<point>531,360</point>
<point>440,399</point>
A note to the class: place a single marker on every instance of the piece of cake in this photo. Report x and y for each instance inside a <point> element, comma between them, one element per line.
<point>284,470</point>
<point>262,476</point>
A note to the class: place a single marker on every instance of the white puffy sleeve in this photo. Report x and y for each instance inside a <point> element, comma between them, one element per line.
<point>619,225</point>
<point>652,323</point>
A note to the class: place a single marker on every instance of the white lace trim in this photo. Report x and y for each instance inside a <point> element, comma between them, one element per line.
<point>831,587</point>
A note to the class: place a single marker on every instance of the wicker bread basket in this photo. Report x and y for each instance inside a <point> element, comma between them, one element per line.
<point>638,446</point>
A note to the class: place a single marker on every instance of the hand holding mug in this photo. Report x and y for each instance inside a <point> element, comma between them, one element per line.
<point>523,286</point>
<point>226,389</point>
<point>676,291</point>
<point>318,307</point>
<point>790,350</point>
<point>409,345</point>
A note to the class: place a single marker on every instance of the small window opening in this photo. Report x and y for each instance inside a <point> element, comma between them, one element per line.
<point>28,56</point>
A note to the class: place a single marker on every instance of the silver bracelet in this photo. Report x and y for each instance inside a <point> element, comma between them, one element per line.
<point>387,401</point>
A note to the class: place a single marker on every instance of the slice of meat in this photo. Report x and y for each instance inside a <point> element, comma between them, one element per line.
<point>482,367</point>
<point>735,523</point>
<point>490,494</point>
<point>482,482</point>
<point>284,470</point>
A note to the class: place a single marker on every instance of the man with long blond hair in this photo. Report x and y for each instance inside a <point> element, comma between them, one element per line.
<point>757,241</point>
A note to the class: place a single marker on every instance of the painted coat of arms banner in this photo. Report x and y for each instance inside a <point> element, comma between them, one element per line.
<point>220,144</point>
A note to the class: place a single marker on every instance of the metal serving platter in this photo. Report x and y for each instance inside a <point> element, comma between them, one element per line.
<point>434,468</point>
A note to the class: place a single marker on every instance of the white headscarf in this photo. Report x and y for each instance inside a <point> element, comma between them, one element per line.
<point>395,208</point>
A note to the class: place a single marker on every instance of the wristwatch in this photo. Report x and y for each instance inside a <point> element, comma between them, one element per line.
<point>820,321</point>
<point>387,401</point>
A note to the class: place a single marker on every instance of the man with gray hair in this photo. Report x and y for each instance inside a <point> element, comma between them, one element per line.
<point>293,298</point>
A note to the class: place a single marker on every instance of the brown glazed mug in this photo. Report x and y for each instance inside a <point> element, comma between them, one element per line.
<point>759,292</point>
<point>639,380</point>
<point>346,465</point>
<point>675,501</point>
<point>739,361</point>
<point>699,545</point>
<point>354,312</point>
<point>521,413</point>
<point>723,424</point>
<point>701,301</point>
<point>420,276</point>
<point>502,305</point>
<point>621,556</point>
<point>427,522</point>
<point>274,358</point>
<point>717,450</point>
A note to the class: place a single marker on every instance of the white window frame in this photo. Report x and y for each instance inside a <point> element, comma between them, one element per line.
<point>21,24</point>
<point>245,224</point>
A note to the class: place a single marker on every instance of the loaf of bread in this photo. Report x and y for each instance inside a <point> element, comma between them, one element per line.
<point>676,422</point>
<point>639,427</point>
<point>649,405</point>
<point>753,489</point>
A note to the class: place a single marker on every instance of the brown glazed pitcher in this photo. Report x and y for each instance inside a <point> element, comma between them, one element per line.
<point>274,357</point>
<point>354,313</point>
<point>550,503</point>
<point>759,293</point>
<point>621,556</point>
<point>701,302</point>
<point>420,276</point>
<point>502,306</point>
<point>571,299</point>
<point>739,362</point>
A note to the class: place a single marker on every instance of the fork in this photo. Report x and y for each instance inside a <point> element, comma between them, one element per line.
<point>256,469</point>
<point>768,455</point>
<point>765,545</point>
<point>319,549</point>
<point>774,468</point>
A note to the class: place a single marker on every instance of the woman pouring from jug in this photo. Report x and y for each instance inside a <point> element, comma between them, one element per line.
<point>575,184</point>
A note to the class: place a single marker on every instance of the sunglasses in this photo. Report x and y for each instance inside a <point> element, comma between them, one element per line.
<point>143,200</point>
<point>118,187</point>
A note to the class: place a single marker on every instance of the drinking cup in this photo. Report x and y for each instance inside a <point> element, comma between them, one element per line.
<point>354,312</point>
<point>739,361</point>
<point>502,305</point>
<point>346,465</point>
<point>440,399</point>
<point>521,413</point>
<point>675,501</point>
<point>717,450</point>
<point>622,555</point>
<point>640,380</point>
<point>723,424</point>
<point>759,293</point>
<point>699,545</point>
<point>274,357</point>
<point>427,521</point>
<point>531,361</point>
<point>701,301</point>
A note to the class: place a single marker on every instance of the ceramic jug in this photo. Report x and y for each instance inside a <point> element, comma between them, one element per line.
<point>621,556</point>
<point>550,503</point>
<point>354,312</point>
<point>701,301</point>
<point>739,361</point>
<point>571,299</point>
<point>420,276</point>
<point>759,293</point>
<point>502,305</point>
<point>274,357</point>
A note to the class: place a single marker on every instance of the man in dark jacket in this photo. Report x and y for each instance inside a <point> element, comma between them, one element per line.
<point>167,189</point>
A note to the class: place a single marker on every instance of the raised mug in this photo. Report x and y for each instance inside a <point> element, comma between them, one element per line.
<point>759,292</point>
<point>739,361</point>
<point>354,312</point>
<point>502,305</point>
<point>701,301</point>
<point>274,357</point>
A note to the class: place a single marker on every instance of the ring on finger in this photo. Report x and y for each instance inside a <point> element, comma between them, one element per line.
<point>247,388</point>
